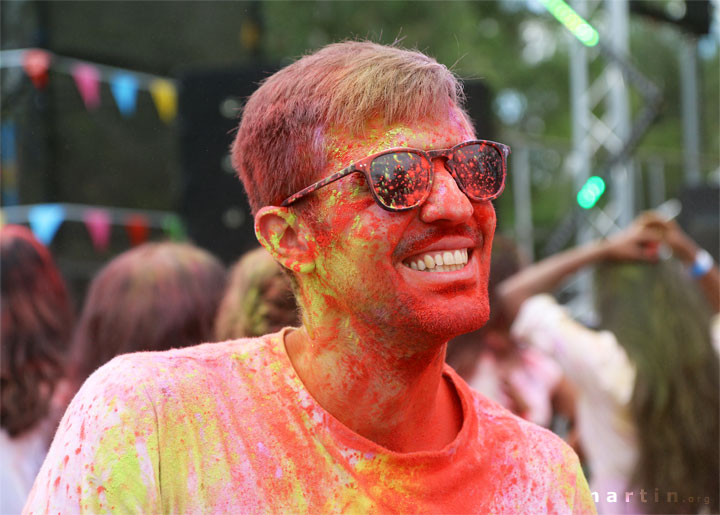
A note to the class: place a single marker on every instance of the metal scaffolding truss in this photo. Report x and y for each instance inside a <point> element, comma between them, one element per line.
<point>603,134</point>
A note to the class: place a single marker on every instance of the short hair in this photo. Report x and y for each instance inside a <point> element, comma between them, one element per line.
<point>258,299</point>
<point>280,145</point>
<point>154,297</point>
<point>37,320</point>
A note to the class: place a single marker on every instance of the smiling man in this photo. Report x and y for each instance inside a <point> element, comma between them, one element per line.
<point>370,187</point>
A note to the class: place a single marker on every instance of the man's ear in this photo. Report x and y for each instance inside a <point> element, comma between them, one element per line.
<point>288,240</point>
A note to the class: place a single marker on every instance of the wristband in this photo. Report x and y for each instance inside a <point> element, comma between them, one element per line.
<point>702,265</point>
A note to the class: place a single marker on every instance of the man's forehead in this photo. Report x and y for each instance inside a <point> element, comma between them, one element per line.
<point>423,134</point>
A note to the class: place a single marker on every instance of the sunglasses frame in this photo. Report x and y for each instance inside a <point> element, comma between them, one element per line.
<point>363,164</point>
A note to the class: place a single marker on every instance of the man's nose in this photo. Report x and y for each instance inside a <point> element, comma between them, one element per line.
<point>446,201</point>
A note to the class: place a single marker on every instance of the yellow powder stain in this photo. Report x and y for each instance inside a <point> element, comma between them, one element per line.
<point>117,454</point>
<point>356,222</point>
<point>348,500</point>
<point>241,356</point>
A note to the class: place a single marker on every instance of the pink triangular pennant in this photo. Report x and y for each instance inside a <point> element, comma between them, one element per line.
<point>87,79</point>
<point>36,63</point>
<point>98,224</point>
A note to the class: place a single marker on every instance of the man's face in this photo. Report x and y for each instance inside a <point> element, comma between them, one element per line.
<point>382,266</point>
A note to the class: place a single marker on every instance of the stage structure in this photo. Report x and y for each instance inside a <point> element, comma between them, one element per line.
<point>604,135</point>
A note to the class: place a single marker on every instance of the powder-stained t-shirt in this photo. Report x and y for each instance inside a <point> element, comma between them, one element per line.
<point>230,428</point>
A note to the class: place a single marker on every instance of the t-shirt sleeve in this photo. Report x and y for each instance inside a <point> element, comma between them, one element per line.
<point>104,457</point>
<point>593,360</point>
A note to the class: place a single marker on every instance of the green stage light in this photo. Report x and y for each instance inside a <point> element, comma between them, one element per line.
<point>591,192</point>
<point>566,15</point>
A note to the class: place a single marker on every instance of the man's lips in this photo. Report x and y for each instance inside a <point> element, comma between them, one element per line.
<point>431,239</point>
<point>437,253</point>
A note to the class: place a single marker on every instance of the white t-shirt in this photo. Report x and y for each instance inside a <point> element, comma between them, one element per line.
<point>604,376</point>
<point>22,458</point>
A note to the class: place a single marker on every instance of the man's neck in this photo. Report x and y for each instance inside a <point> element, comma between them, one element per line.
<point>387,391</point>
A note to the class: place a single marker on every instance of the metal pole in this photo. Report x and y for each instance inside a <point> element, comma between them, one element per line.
<point>522,199</point>
<point>581,154</point>
<point>656,182</point>
<point>623,190</point>
<point>580,109</point>
<point>690,110</point>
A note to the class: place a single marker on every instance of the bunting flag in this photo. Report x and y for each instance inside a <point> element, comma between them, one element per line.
<point>124,84</point>
<point>124,87</point>
<point>98,224</point>
<point>138,229</point>
<point>87,79</point>
<point>36,64</point>
<point>45,220</point>
<point>174,228</point>
<point>164,95</point>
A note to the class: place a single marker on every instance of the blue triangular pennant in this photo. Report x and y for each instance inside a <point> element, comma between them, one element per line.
<point>45,220</point>
<point>124,87</point>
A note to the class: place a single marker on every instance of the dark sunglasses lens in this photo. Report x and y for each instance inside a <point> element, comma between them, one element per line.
<point>400,179</point>
<point>480,169</point>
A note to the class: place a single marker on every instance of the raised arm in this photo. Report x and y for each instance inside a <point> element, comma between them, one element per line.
<point>639,242</point>
<point>701,266</point>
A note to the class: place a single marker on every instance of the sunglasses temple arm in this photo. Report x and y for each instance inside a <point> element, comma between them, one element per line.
<point>316,186</point>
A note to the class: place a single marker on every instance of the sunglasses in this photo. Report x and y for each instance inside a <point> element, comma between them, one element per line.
<point>401,178</point>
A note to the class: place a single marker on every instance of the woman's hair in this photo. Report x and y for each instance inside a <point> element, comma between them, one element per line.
<point>258,299</point>
<point>154,297</point>
<point>37,320</point>
<point>663,323</point>
<point>281,144</point>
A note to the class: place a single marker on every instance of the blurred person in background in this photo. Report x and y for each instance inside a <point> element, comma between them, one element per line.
<point>524,380</point>
<point>157,296</point>
<point>648,385</point>
<point>258,299</point>
<point>37,321</point>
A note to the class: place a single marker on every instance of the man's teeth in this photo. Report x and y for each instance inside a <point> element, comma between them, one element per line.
<point>445,261</point>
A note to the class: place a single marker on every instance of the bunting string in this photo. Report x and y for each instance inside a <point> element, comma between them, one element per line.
<point>124,84</point>
<point>46,219</point>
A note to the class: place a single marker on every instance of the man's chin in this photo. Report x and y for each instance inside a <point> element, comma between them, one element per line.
<point>450,320</point>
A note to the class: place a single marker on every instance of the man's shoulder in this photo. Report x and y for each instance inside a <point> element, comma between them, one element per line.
<point>197,357</point>
<point>157,372</point>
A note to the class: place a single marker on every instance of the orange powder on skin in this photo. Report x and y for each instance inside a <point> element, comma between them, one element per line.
<point>354,279</point>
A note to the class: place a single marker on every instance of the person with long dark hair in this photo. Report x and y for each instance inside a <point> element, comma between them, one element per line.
<point>648,383</point>
<point>37,321</point>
